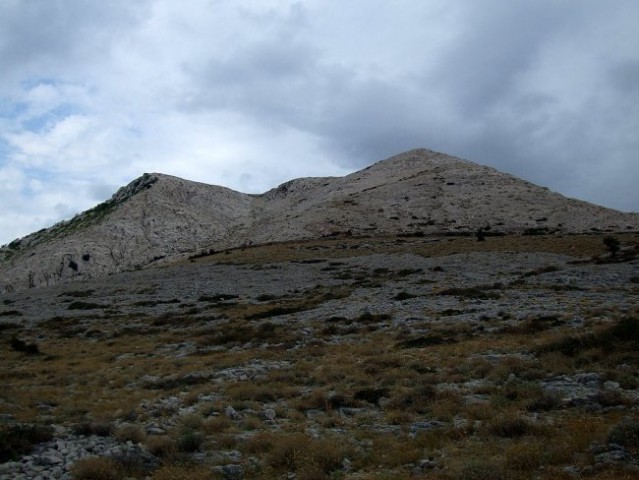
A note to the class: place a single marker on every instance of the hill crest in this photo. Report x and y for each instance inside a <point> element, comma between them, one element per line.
<point>158,218</point>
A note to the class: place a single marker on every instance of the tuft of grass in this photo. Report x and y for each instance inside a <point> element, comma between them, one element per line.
<point>470,292</point>
<point>78,293</point>
<point>182,472</point>
<point>130,433</point>
<point>512,427</point>
<point>403,296</point>
<point>96,468</point>
<point>426,341</point>
<point>162,446</point>
<point>93,428</point>
<point>305,456</point>
<point>475,469</point>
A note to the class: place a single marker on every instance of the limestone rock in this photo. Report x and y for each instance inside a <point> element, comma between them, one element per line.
<point>159,218</point>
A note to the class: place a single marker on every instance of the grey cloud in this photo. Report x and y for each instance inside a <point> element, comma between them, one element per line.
<point>499,43</point>
<point>624,76</point>
<point>42,37</point>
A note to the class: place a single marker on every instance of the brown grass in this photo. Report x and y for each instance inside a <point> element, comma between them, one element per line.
<point>97,468</point>
<point>510,428</point>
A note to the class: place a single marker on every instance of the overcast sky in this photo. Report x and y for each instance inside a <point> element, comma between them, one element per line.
<point>251,93</point>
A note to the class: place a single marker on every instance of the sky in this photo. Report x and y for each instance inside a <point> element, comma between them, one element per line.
<point>251,93</point>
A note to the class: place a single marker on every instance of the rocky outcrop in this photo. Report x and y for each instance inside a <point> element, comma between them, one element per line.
<point>158,218</point>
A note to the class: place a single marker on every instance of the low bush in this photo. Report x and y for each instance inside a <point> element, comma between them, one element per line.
<point>623,335</point>
<point>471,292</point>
<point>305,456</point>
<point>17,440</point>
<point>21,346</point>
<point>84,306</point>
<point>189,442</point>
<point>93,428</point>
<point>371,395</point>
<point>96,468</point>
<point>426,341</point>
<point>182,472</point>
<point>130,433</point>
<point>512,427</point>
<point>544,403</point>
<point>403,296</point>
<point>368,317</point>
<point>119,467</point>
<point>625,433</point>
<point>161,446</point>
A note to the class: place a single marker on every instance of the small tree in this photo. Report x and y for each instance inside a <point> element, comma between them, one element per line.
<point>612,244</point>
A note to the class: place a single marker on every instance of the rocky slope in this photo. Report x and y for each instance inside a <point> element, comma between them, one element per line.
<point>159,218</point>
<point>391,357</point>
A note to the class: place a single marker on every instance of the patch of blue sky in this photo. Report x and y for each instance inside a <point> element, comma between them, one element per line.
<point>5,152</point>
<point>32,82</point>
<point>38,174</point>
<point>12,110</point>
<point>44,122</point>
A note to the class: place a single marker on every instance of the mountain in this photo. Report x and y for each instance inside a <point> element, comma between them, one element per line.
<point>159,218</point>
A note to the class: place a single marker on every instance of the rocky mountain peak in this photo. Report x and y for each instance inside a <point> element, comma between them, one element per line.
<point>140,184</point>
<point>158,218</point>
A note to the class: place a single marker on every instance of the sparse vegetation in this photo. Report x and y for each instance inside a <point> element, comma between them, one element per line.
<point>485,373</point>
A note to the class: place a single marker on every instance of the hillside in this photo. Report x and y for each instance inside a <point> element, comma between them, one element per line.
<point>159,218</point>
<point>339,358</point>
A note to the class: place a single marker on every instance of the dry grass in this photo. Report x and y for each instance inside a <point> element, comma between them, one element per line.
<point>97,468</point>
<point>295,452</point>
<point>483,385</point>
<point>585,246</point>
<point>182,472</point>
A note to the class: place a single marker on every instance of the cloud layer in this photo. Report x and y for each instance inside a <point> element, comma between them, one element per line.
<point>249,94</point>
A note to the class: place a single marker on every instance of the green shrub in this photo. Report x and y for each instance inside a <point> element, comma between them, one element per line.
<point>21,346</point>
<point>470,292</point>
<point>512,427</point>
<point>623,335</point>
<point>625,433</point>
<point>403,296</point>
<point>17,440</point>
<point>612,244</point>
<point>93,428</point>
<point>84,306</point>
<point>190,442</point>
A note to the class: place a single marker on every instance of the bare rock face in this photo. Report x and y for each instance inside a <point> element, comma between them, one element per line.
<point>158,218</point>
<point>153,219</point>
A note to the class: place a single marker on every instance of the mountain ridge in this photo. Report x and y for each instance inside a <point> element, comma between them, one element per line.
<point>158,218</point>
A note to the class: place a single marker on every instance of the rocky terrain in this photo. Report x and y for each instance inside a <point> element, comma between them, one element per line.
<point>388,356</point>
<point>157,218</point>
